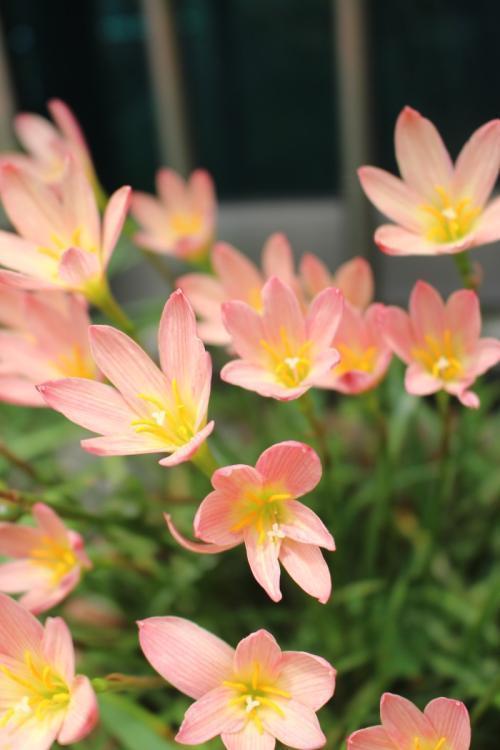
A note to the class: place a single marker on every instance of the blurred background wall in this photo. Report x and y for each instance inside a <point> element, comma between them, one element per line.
<point>280,99</point>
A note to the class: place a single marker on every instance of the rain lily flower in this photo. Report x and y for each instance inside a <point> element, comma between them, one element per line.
<point>258,507</point>
<point>283,351</point>
<point>251,696</point>
<point>181,222</point>
<point>60,242</point>
<point>440,342</point>
<point>45,337</point>
<point>48,145</point>
<point>149,410</point>
<point>437,207</point>
<point>364,352</point>
<point>49,561</point>
<point>443,725</point>
<point>235,277</point>
<point>354,279</point>
<point>42,698</point>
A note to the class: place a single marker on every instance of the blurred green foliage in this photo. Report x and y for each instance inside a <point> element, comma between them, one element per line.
<point>416,601</point>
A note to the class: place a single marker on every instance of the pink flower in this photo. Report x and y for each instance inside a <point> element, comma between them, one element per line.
<point>252,695</point>
<point>49,561</point>
<point>283,351</point>
<point>45,336</point>
<point>364,353</point>
<point>42,698</point>
<point>443,725</point>
<point>150,410</point>
<point>258,507</point>
<point>437,207</point>
<point>60,241</point>
<point>354,279</point>
<point>48,145</point>
<point>181,222</point>
<point>440,342</point>
<point>235,277</point>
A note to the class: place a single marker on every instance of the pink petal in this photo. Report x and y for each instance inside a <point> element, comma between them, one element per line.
<point>403,721</point>
<point>355,280</point>
<point>123,445</point>
<point>486,355</point>
<point>126,365</point>
<point>315,274</point>
<point>215,516</point>
<point>427,311</point>
<point>50,523</point>
<point>202,190</point>
<point>19,630</point>
<point>245,327</point>
<point>113,220</point>
<point>35,133</point>
<point>372,738</point>
<point>263,560</point>
<point>467,398</point>
<point>193,660</point>
<point>46,596</point>
<point>450,719</point>
<point>488,227</point>
<point>476,169</point>
<point>24,281</point>
<point>82,714</point>
<point>324,316</point>
<point>95,406</point>
<point>308,678</point>
<point>422,157</point>
<point>303,525</point>
<point>79,203</point>
<point>78,267</point>
<point>58,648</point>
<point>31,206</point>
<point>258,648</point>
<point>396,241</point>
<point>22,575</point>
<point>277,259</point>
<point>200,548</point>
<point>67,122</point>
<point>249,739</point>
<point>172,190</point>
<point>290,464</point>
<point>21,255</point>
<point>419,382</point>
<point>463,318</point>
<point>239,277</point>
<point>187,451</point>
<point>297,728</point>
<point>398,332</point>
<point>180,348</point>
<point>209,716</point>
<point>393,197</point>
<point>18,541</point>
<point>150,213</point>
<point>282,312</point>
<point>15,390</point>
<point>306,565</point>
<point>234,480</point>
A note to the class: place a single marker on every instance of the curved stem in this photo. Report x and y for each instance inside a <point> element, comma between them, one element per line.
<point>18,462</point>
<point>102,297</point>
<point>318,428</point>
<point>205,460</point>
<point>119,683</point>
<point>466,270</point>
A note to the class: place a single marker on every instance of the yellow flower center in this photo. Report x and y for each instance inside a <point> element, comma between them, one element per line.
<point>186,223</point>
<point>447,219</point>
<point>61,244</point>
<point>290,362</point>
<point>59,558</point>
<point>265,510</point>
<point>426,745</point>
<point>75,364</point>
<point>172,422</point>
<point>440,358</point>
<point>37,692</point>
<point>256,693</point>
<point>355,359</point>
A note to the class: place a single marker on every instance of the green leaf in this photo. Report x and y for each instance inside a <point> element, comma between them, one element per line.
<point>132,725</point>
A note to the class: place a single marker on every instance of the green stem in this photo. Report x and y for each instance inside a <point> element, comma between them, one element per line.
<point>102,297</point>
<point>205,460</point>
<point>119,683</point>
<point>318,428</point>
<point>382,494</point>
<point>486,700</point>
<point>18,462</point>
<point>466,270</point>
